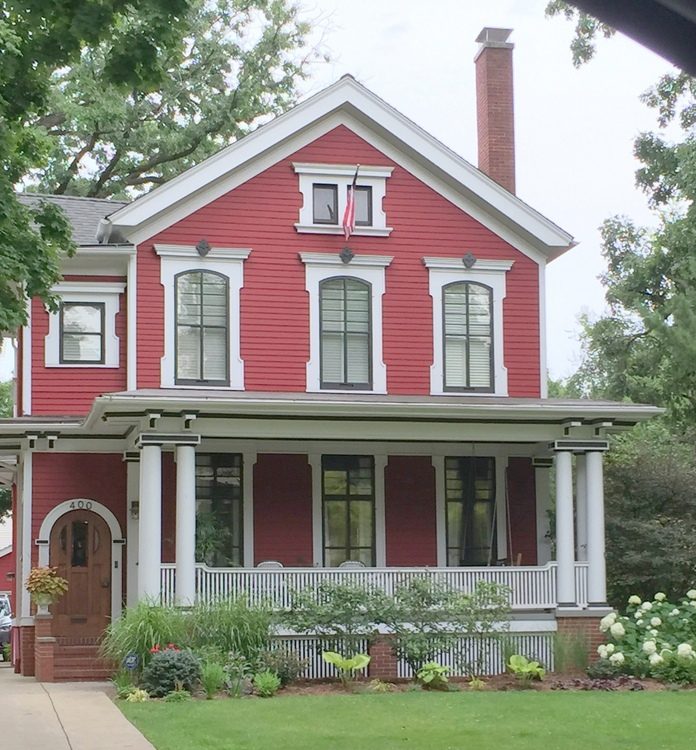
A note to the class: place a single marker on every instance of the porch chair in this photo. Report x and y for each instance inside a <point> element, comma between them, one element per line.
<point>270,564</point>
<point>352,564</point>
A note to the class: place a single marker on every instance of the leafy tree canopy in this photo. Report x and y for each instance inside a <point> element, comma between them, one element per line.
<point>5,411</point>
<point>36,38</point>
<point>239,62</point>
<point>587,27</point>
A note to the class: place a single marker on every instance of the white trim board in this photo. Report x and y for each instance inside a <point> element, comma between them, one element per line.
<point>344,97</point>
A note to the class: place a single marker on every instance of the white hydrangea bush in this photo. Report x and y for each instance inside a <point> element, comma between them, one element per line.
<point>653,638</point>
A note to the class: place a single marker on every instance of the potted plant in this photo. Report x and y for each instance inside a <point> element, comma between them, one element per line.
<point>45,587</point>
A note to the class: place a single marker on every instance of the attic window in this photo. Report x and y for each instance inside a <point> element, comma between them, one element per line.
<point>324,189</point>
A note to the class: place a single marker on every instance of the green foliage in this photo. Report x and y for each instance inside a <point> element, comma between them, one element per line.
<point>36,40</point>
<point>379,687</point>
<point>212,538</point>
<point>433,676</point>
<point>230,625</point>
<point>6,652</point>
<point>137,696</point>
<point>676,670</point>
<point>286,664</point>
<point>171,670</point>
<point>603,669</point>
<point>587,28</point>
<point>177,696</point>
<point>212,678</point>
<point>346,666</point>
<point>569,653</point>
<point>237,64</point>
<point>427,617</point>
<point>237,670</point>
<point>655,637</point>
<point>142,627</point>
<point>266,683</point>
<point>524,669</point>
<point>336,609</point>
<point>123,683</point>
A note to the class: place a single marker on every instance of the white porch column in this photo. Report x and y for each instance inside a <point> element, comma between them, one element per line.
<point>133,525</point>
<point>150,541</point>
<point>185,524</point>
<point>542,484</point>
<point>565,545</point>
<point>581,506</point>
<point>597,573</point>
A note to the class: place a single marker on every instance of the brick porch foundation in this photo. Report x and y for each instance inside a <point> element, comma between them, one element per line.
<point>26,639</point>
<point>44,648</point>
<point>585,628</point>
<point>383,663</point>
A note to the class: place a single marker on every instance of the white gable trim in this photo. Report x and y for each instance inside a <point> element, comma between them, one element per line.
<point>344,95</point>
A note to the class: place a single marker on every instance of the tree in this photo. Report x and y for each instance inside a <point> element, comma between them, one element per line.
<point>587,27</point>
<point>36,38</point>
<point>239,63</point>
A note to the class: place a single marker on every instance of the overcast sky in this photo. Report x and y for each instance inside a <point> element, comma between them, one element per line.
<point>574,128</point>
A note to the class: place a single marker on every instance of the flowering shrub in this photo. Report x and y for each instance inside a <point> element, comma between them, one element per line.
<point>654,638</point>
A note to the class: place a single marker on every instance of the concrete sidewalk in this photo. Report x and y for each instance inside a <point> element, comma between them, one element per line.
<point>62,716</point>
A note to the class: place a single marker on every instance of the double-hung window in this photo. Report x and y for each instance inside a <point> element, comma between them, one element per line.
<point>202,328</point>
<point>470,516</point>
<point>468,336</point>
<point>82,333</point>
<point>348,500</point>
<point>346,347</point>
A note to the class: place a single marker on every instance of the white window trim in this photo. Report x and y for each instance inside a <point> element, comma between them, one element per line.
<point>380,464</point>
<point>342,175</point>
<point>85,292</point>
<point>226,261</point>
<point>444,271</point>
<point>368,268</point>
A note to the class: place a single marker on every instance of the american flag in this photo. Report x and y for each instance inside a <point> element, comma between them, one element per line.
<point>349,213</point>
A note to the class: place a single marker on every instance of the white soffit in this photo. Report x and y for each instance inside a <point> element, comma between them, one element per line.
<point>207,181</point>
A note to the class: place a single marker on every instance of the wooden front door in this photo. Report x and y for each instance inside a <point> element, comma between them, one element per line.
<point>81,550</point>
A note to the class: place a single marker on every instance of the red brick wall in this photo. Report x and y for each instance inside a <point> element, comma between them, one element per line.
<point>409,484</point>
<point>495,118</point>
<point>261,214</point>
<point>522,510</point>
<point>283,509</point>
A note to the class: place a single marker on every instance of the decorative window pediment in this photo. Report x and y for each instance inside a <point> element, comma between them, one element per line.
<point>324,189</point>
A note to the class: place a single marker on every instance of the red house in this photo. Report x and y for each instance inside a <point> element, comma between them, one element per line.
<point>318,407</point>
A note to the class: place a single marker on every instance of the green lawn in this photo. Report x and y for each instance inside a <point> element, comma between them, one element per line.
<point>431,721</point>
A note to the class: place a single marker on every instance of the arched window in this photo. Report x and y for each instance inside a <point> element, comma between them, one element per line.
<point>202,328</point>
<point>468,337</point>
<point>346,345</point>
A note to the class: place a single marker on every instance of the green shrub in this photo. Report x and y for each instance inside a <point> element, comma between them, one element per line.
<point>230,625</point>
<point>237,669</point>
<point>286,664</point>
<point>137,696</point>
<point>603,669</point>
<point>177,696</point>
<point>570,653</point>
<point>266,683</point>
<point>433,676</point>
<point>346,666</point>
<point>378,686</point>
<point>524,669</point>
<point>141,628</point>
<point>169,670</point>
<point>654,638</point>
<point>676,670</point>
<point>428,617</point>
<point>212,678</point>
<point>123,683</point>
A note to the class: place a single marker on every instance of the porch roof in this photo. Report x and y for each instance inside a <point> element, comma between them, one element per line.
<point>213,402</point>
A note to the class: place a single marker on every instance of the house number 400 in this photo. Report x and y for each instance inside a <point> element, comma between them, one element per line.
<point>81,505</point>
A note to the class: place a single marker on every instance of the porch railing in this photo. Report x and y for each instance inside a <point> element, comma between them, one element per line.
<point>531,587</point>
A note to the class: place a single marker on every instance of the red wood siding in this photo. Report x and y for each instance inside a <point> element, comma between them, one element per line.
<point>409,487</point>
<point>522,510</point>
<point>168,508</point>
<point>7,567</point>
<point>283,509</point>
<point>261,214</point>
<point>71,390</point>
<point>64,476</point>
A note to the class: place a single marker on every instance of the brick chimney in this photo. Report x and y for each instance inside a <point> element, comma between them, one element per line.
<point>494,106</point>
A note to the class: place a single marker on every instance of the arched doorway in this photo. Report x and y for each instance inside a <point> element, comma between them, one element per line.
<point>80,547</point>
<point>82,538</point>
